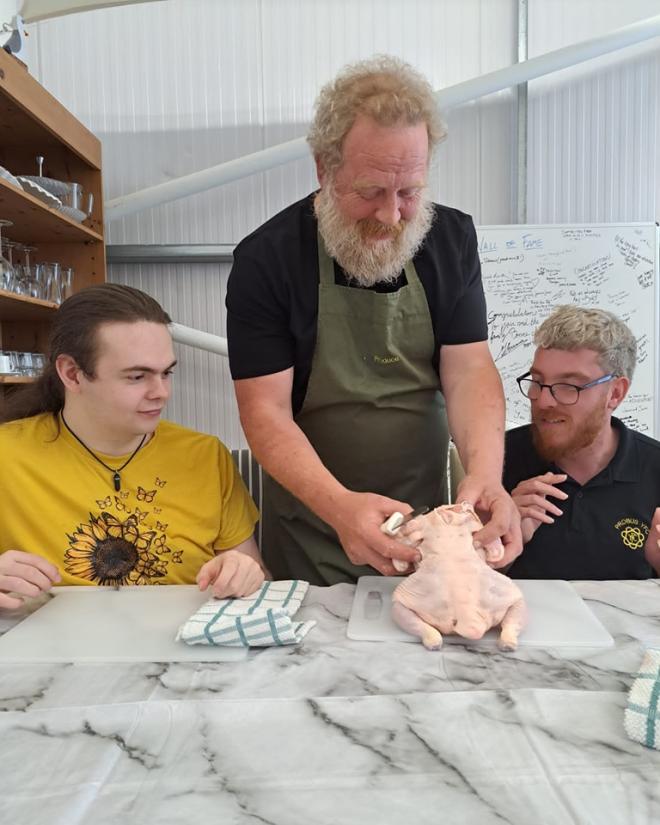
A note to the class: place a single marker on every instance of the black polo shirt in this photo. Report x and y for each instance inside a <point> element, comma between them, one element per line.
<point>605,523</point>
<point>272,293</point>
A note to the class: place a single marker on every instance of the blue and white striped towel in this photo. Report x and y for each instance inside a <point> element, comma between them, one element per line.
<point>260,620</point>
<point>641,717</point>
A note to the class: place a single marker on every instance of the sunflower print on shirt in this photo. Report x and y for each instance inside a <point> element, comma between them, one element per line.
<point>113,552</point>
<point>119,549</point>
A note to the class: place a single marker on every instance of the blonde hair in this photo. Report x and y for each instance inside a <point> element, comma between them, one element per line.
<point>570,328</point>
<point>384,88</point>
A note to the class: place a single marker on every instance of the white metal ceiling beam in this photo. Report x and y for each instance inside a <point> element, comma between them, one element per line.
<point>448,98</point>
<point>34,10</point>
<point>201,340</point>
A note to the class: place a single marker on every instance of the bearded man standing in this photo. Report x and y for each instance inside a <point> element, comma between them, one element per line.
<point>586,486</point>
<point>357,327</point>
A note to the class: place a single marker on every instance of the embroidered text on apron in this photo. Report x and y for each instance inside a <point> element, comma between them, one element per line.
<point>373,412</point>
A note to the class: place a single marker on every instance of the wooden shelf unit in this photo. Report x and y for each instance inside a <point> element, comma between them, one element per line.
<point>33,122</point>
<point>21,308</point>
<point>16,379</point>
<point>35,222</point>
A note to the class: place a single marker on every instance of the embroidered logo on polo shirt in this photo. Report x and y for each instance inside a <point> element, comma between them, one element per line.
<point>633,532</point>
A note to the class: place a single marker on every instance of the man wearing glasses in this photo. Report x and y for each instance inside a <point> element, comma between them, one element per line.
<point>587,487</point>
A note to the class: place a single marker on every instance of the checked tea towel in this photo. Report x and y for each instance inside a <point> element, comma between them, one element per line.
<point>641,717</point>
<point>260,620</point>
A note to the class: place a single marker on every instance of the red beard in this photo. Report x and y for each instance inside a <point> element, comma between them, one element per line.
<point>575,438</point>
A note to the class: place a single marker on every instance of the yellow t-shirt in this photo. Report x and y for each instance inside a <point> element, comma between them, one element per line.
<point>181,500</point>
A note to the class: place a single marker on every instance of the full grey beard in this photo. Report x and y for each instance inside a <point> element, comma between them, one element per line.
<point>362,262</point>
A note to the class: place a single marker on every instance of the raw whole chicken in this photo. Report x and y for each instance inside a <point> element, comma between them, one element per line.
<point>453,590</point>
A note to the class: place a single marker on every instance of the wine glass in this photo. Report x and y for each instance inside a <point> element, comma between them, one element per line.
<point>26,279</point>
<point>37,281</point>
<point>53,281</point>
<point>10,283</point>
<point>21,281</point>
<point>6,265</point>
<point>67,282</point>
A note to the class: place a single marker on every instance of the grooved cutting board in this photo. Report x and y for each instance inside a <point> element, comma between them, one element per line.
<point>98,624</point>
<point>557,616</point>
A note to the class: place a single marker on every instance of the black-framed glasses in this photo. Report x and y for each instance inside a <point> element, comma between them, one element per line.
<point>562,393</point>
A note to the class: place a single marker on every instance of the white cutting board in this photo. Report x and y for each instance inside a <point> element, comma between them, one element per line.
<point>98,624</point>
<point>557,616</point>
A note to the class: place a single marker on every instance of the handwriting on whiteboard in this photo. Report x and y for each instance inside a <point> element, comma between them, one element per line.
<point>528,271</point>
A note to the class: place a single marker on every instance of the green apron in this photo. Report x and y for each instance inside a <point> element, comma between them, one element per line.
<point>373,412</point>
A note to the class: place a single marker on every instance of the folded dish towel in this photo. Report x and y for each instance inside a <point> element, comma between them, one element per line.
<point>642,715</point>
<point>260,620</point>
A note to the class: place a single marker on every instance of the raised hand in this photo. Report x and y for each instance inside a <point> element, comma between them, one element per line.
<point>531,499</point>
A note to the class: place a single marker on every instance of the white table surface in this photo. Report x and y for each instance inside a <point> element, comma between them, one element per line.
<point>336,731</point>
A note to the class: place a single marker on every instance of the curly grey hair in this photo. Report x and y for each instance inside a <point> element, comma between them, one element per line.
<point>384,88</point>
<point>571,327</point>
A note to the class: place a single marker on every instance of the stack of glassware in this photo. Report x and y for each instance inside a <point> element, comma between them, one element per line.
<point>47,281</point>
<point>21,363</point>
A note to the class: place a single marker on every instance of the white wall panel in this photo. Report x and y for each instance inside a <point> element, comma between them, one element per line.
<point>448,41</point>
<point>169,88</point>
<point>594,138</point>
<point>174,87</point>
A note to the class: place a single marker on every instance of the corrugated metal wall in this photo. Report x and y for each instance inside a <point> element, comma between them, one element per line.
<point>173,87</point>
<point>594,139</point>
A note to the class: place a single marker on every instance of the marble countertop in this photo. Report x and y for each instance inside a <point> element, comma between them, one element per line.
<point>336,731</point>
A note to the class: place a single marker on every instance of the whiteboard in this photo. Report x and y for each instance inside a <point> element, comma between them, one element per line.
<point>529,270</point>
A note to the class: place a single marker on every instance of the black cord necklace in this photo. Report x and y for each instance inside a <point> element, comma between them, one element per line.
<point>116,478</point>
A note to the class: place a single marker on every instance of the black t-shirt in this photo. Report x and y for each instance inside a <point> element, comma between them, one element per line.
<point>605,523</point>
<point>272,293</point>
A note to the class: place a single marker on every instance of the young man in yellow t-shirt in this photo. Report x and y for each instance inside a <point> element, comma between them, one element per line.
<point>94,488</point>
